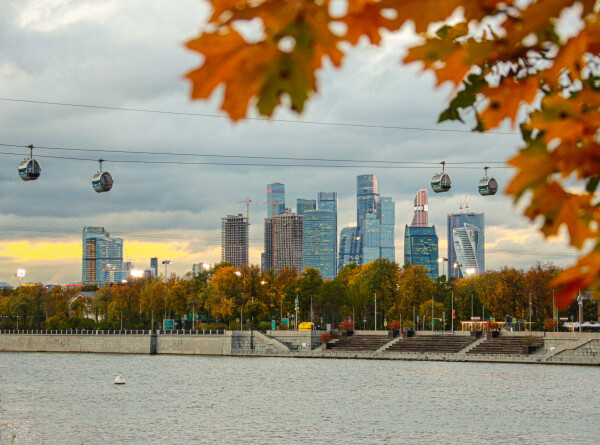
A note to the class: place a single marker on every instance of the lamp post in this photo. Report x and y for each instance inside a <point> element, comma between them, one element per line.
<point>432,302</point>
<point>452,293</point>
<point>530,311</point>
<point>580,302</point>
<point>456,266</point>
<point>20,274</point>
<point>375,293</point>
<point>166,263</point>
<point>443,260</point>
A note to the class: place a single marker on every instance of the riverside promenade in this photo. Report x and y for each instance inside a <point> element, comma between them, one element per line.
<point>566,348</point>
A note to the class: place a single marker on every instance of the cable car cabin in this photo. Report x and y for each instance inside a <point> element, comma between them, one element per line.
<point>102,182</point>
<point>487,186</point>
<point>29,170</point>
<point>441,183</point>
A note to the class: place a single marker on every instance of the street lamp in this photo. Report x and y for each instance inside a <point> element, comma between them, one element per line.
<point>443,260</point>
<point>456,266</point>
<point>20,273</point>
<point>166,263</point>
<point>375,293</point>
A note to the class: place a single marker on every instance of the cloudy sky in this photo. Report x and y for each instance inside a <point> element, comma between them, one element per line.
<point>131,54</point>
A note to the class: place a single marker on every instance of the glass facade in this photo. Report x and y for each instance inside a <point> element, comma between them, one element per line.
<point>466,246</point>
<point>319,242</point>
<point>373,236</point>
<point>421,247</point>
<point>370,238</point>
<point>328,201</point>
<point>276,192</point>
<point>303,205</point>
<point>367,195</point>
<point>386,211</point>
<point>100,252</point>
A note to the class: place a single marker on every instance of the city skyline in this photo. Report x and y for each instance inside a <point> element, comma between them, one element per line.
<point>173,211</point>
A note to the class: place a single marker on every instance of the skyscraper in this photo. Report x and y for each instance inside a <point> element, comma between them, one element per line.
<point>421,244</point>
<point>421,209</point>
<point>154,266</point>
<point>373,236</point>
<point>303,205</point>
<point>349,240</point>
<point>234,240</point>
<point>283,242</point>
<point>386,212</point>
<point>466,244</point>
<point>276,192</point>
<point>328,201</point>
<point>421,248</point>
<point>100,252</point>
<point>367,195</point>
<point>319,242</point>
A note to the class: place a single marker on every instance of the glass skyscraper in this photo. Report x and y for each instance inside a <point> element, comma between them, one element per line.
<point>101,253</point>
<point>367,195</point>
<point>421,247</point>
<point>276,192</point>
<point>373,236</point>
<point>303,205</point>
<point>386,211</point>
<point>421,244</point>
<point>328,201</point>
<point>319,242</point>
<point>466,244</point>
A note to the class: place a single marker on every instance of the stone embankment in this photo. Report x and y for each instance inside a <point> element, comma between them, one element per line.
<point>518,347</point>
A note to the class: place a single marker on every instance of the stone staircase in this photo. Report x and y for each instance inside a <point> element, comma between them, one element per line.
<point>506,346</point>
<point>359,343</point>
<point>450,344</point>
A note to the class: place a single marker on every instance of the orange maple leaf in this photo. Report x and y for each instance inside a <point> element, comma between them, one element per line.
<point>506,98</point>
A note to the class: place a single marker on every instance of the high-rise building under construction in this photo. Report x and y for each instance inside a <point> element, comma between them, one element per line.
<point>283,242</point>
<point>234,240</point>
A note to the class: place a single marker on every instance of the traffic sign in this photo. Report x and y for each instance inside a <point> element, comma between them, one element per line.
<point>385,323</point>
<point>169,325</point>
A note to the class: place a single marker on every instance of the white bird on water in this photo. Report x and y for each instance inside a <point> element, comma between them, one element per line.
<point>119,380</point>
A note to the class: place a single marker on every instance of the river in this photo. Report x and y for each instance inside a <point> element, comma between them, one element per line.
<point>71,399</point>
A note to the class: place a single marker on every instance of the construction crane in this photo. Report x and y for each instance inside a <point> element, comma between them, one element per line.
<point>247,201</point>
<point>274,202</point>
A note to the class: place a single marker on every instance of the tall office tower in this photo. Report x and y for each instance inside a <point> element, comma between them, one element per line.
<point>276,192</point>
<point>349,239</point>
<point>328,201</point>
<point>386,212</point>
<point>367,195</point>
<point>234,240</point>
<point>421,248</point>
<point>100,251</point>
<point>319,242</point>
<point>373,214</point>
<point>283,242</point>
<point>370,238</point>
<point>421,244</point>
<point>303,205</point>
<point>466,244</point>
<point>154,266</point>
<point>421,209</point>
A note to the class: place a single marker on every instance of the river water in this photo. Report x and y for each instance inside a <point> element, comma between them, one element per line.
<point>71,399</point>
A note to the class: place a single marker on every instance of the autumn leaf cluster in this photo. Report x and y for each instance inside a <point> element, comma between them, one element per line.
<point>533,63</point>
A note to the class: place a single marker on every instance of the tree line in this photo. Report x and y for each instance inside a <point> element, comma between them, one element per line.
<point>224,296</point>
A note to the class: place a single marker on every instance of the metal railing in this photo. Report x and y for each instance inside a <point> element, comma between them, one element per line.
<point>194,332</point>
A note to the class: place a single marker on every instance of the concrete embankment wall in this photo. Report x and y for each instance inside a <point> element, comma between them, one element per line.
<point>119,344</point>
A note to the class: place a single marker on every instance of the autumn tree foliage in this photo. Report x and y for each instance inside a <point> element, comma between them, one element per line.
<point>500,55</point>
